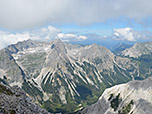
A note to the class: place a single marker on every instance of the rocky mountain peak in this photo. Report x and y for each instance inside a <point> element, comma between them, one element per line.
<point>58,45</point>
<point>20,46</point>
<point>138,49</point>
<point>93,51</point>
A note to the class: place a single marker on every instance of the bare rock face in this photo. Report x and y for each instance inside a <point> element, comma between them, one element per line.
<point>130,98</point>
<point>14,101</point>
<point>57,75</point>
<point>138,49</point>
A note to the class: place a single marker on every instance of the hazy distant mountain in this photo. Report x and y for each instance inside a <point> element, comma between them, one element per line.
<point>108,42</point>
<point>120,47</point>
<point>130,98</point>
<point>64,77</point>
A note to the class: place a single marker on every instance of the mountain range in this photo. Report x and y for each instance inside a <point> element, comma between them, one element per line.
<point>64,77</point>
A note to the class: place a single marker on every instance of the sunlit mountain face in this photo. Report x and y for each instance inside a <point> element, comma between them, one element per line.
<point>58,75</point>
<point>123,99</point>
<point>63,55</point>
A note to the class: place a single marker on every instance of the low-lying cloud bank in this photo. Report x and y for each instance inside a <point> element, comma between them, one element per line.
<point>128,34</point>
<point>44,34</point>
<point>49,33</point>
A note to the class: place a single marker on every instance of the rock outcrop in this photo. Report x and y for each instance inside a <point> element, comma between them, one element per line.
<point>130,98</point>
<point>13,100</point>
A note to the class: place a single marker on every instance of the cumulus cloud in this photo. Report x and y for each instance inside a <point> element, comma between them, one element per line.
<point>124,34</point>
<point>44,34</point>
<point>17,14</point>
<point>129,34</point>
<point>71,37</point>
<point>8,38</point>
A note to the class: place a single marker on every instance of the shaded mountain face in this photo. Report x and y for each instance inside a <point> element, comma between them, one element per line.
<point>130,98</point>
<point>63,77</point>
<point>141,53</point>
<point>117,49</point>
<point>13,100</point>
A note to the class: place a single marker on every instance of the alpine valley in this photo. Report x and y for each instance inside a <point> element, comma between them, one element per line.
<point>65,78</point>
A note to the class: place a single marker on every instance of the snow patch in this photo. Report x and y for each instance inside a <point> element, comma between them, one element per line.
<point>16,83</point>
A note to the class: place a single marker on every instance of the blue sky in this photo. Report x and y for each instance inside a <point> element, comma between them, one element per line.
<point>106,28</point>
<point>102,28</point>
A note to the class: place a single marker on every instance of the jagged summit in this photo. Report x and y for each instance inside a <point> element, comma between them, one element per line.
<point>20,46</point>
<point>57,41</point>
<point>58,45</point>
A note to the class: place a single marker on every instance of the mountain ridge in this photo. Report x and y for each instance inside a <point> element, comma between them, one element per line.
<point>57,73</point>
<point>138,49</point>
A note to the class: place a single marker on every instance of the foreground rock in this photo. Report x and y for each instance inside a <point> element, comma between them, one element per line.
<point>130,98</point>
<point>14,101</point>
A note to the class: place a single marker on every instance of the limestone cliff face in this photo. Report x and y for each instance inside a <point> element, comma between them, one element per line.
<point>130,98</point>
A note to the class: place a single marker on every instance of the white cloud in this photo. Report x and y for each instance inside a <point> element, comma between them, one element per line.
<point>8,38</point>
<point>71,37</point>
<point>83,37</point>
<point>17,14</point>
<point>44,34</point>
<point>124,34</point>
<point>129,34</point>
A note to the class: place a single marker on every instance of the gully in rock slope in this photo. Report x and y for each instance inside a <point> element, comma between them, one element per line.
<point>63,77</point>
